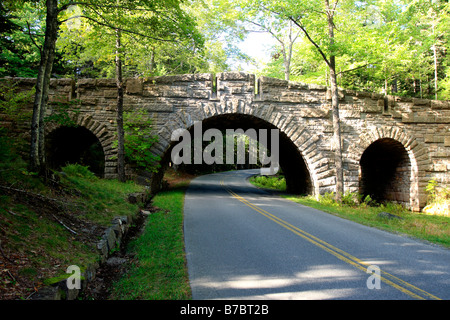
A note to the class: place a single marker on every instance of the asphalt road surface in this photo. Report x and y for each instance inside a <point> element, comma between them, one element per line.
<point>246,243</point>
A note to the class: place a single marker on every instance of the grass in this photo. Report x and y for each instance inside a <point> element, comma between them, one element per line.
<point>98,200</point>
<point>36,244</point>
<point>432,228</point>
<point>159,271</point>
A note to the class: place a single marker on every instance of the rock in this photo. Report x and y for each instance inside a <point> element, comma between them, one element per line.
<point>145,212</point>
<point>115,261</point>
<point>137,198</point>
<point>110,237</point>
<point>388,215</point>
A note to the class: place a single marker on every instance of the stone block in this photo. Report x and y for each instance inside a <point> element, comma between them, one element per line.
<point>447,141</point>
<point>233,76</point>
<point>371,106</point>
<point>440,105</point>
<point>102,246</point>
<point>86,83</point>
<point>106,83</point>
<point>420,102</point>
<point>110,93</point>
<point>134,86</point>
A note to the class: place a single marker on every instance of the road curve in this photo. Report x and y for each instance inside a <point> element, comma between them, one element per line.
<point>245,243</point>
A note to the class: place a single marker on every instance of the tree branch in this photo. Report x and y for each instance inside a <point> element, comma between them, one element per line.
<point>107,24</point>
<point>311,40</point>
<point>353,69</point>
<point>265,29</point>
<point>32,40</point>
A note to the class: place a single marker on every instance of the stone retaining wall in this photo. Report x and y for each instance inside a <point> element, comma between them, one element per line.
<point>110,241</point>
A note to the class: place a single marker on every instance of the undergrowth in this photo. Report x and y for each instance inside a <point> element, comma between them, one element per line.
<point>45,227</point>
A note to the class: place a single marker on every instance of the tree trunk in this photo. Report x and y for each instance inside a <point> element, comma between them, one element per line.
<point>435,72</point>
<point>120,130</point>
<point>37,146</point>
<point>335,109</point>
<point>286,63</point>
<point>336,132</point>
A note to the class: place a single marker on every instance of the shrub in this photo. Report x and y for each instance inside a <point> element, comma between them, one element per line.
<point>350,199</point>
<point>438,199</point>
<point>271,182</point>
<point>328,199</point>
<point>78,170</point>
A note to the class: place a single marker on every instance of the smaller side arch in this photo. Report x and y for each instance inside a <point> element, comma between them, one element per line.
<point>419,161</point>
<point>103,132</point>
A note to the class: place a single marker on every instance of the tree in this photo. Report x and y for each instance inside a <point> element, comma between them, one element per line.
<point>37,151</point>
<point>19,45</point>
<point>88,48</point>
<point>163,20</point>
<point>431,21</point>
<point>283,31</point>
<point>316,19</point>
<point>131,18</point>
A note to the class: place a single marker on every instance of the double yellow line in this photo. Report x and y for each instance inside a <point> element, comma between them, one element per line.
<point>393,281</point>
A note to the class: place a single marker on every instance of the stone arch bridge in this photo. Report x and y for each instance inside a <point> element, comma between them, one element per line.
<point>392,146</point>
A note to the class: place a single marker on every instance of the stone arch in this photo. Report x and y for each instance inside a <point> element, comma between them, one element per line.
<point>102,131</point>
<point>320,168</point>
<point>415,150</point>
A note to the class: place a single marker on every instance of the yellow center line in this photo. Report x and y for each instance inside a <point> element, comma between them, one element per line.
<point>390,279</point>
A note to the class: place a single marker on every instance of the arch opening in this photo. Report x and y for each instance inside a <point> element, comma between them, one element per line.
<point>386,172</point>
<point>291,162</point>
<point>71,145</point>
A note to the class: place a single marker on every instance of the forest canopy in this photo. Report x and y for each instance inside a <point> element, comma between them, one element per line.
<point>397,47</point>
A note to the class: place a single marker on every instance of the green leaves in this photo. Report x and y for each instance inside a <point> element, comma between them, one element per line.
<point>382,46</point>
<point>139,139</point>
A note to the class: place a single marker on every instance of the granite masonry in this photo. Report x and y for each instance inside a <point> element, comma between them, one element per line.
<point>410,136</point>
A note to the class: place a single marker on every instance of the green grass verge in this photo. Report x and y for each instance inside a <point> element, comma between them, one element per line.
<point>432,228</point>
<point>159,271</point>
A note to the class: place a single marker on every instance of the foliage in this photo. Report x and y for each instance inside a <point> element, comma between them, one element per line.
<point>19,55</point>
<point>438,199</point>
<point>12,167</point>
<point>139,138</point>
<point>154,44</point>
<point>270,182</point>
<point>61,113</point>
<point>13,111</point>
<point>13,102</point>
<point>23,26</point>
<point>77,170</point>
<point>398,33</point>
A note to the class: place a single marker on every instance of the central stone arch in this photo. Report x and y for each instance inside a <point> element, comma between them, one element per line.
<point>316,163</point>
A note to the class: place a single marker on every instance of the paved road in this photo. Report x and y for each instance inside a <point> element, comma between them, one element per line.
<point>245,243</point>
